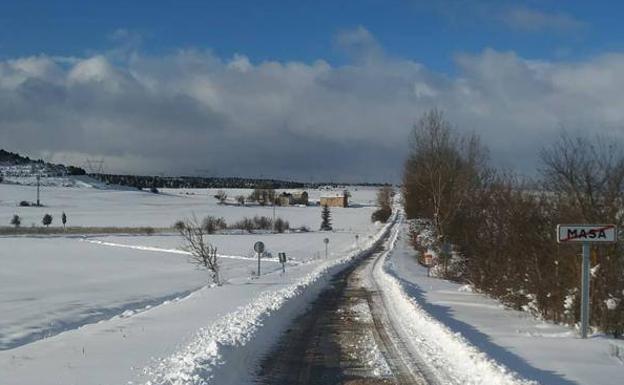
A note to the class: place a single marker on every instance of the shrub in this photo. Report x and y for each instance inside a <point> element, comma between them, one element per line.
<point>47,220</point>
<point>24,204</point>
<point>16,221</point>
<point>212,224</point>
<point>281,225</point>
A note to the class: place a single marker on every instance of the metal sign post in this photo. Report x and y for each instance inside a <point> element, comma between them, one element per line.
<point>259,249</point>
<point>586,234</point>
<point>326,241</point>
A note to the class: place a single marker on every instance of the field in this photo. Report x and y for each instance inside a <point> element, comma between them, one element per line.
<point>60,293</point>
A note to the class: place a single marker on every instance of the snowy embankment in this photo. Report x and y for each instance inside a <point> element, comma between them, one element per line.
<point>476,340</point>
<point>449,356</point>
<point>228,350</point>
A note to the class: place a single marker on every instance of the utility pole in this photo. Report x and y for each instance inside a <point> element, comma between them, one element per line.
<point>38,188</point>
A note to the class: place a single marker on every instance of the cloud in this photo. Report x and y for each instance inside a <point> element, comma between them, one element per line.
<point>532,20</point>
<point>191,110</point>
<point>509,14</point>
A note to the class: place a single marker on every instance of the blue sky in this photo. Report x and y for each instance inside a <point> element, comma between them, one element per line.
<point>317,90</point>
<point>430,32</point>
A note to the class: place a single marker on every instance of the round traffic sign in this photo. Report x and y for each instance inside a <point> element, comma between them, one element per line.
<point>259,247</point>
<point>326,240</point>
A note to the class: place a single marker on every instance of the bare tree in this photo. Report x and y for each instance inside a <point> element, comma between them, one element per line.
<point>203,254</point>
<point>442,168</point>
<point>221,196</point>
<point>384,202</point>
<point>587,172</point>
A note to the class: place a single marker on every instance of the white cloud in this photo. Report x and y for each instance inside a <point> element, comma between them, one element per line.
<point>532,20</point>
<point>192,110</point>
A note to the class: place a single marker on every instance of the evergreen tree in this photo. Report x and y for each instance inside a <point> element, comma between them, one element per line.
<point>16,221</point>
<point>326,219</point>
<point>47,220</point>
<point>64,219</point>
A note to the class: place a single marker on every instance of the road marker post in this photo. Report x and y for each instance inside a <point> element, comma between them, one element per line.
<point>282,259</point>
<point>326,242</point>
<point>586,234</point>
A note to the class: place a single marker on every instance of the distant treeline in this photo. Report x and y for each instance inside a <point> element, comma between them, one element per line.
<point>142,181</point>
<point>145,182</point>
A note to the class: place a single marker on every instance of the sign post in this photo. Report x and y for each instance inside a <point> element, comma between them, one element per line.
<point>326,242</point>
<point>586,234</point>
<point>282,259</point>
<point>259,249</point>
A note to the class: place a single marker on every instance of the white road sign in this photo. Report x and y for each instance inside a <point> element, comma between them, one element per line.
<point>587,233</point>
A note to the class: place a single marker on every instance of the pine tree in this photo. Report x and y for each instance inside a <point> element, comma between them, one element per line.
<point>326,219</point>
<point>64,219</point>
<point>47,220</point>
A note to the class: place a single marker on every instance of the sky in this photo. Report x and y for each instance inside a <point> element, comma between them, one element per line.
<point>323,90</point>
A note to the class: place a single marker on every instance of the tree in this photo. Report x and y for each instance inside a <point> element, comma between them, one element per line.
<point>202,253</point>
<point>47,220</point>
<point>64,219</point>
<point>263,195</point>
<point>16,221</point>
<point>326,219</point>
<point>384,202</point>
<point>586,179</point>
<point>221,196</point>
<point>241,200</point>
<point>442,170</point>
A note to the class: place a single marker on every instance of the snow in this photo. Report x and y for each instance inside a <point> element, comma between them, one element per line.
<point>478,341</point>
<point>114,309</point>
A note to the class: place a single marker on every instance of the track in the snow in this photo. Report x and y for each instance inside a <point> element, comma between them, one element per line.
<point>331,344</point>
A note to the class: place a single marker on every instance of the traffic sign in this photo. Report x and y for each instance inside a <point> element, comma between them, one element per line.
<point>587,233</point>
<point>259,247</point>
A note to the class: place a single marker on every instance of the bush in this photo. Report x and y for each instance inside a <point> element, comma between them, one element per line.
<point>212,224</point>
<point>47,220</point>
<point>154,190</point>
<point>244,224</point>
<point>381,215</point>
<point>281,225</point>
<point>179,226</point>
<point>16,221</point>
<point>24,204</point>
<point>261,223</point>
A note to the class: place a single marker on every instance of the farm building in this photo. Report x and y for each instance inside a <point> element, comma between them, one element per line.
<point>294,198</point>
<point>335,199</point>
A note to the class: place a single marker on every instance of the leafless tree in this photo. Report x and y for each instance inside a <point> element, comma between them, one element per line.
<point>202,253</point>
<point>443,166</point>
<point>384,202</point>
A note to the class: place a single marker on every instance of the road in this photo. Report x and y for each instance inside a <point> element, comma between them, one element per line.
<point>346,337</point>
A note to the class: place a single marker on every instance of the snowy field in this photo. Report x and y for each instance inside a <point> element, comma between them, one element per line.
<point>69,304</point>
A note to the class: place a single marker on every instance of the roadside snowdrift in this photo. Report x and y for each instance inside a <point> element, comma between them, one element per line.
<point>452,359</point>
<point>218,354</point>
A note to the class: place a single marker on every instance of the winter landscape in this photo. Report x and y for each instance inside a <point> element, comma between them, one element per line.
<point>311,193</point>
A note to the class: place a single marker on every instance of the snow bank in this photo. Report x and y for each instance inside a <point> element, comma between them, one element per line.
<point>451,357</point>
<point>238,340</point>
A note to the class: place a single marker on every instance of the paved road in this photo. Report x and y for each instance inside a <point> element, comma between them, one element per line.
<point>346,337</point>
